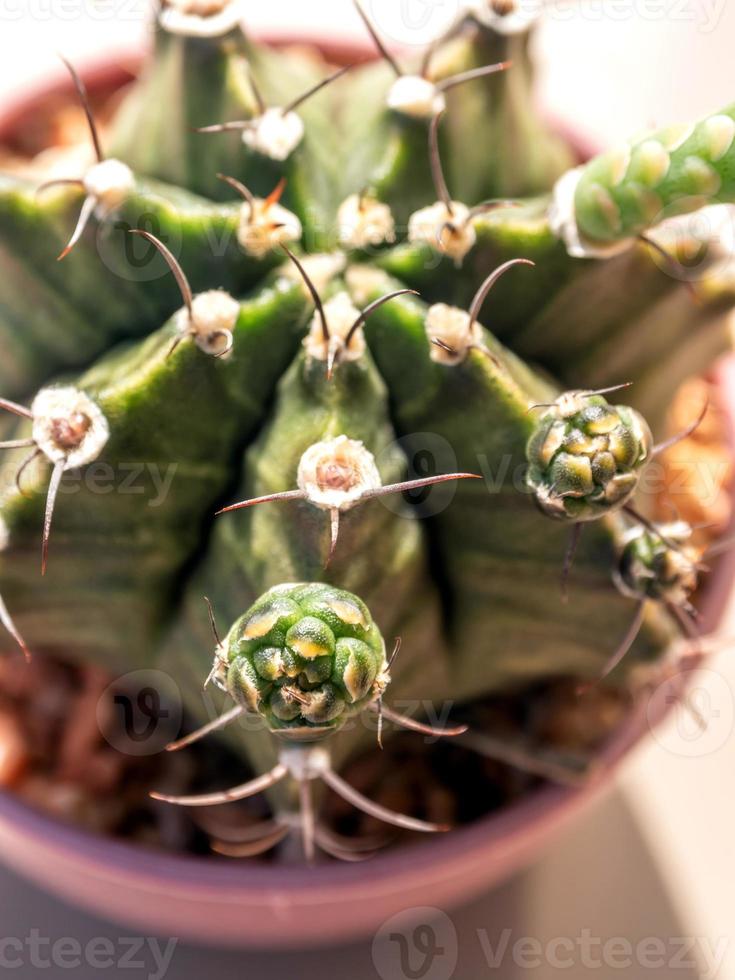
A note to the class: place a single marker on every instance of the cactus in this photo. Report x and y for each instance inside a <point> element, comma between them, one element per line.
<point>268,293</point>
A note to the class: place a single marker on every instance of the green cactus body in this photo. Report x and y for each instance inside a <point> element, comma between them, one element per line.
<point>471,587</point>
<point>305,658</point>
<point>585,457</point>
<point>622,193</point>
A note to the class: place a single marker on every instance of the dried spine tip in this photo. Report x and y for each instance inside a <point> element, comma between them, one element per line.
<point>585,457</point>
<point>365,222</point>
<point>200,18</point>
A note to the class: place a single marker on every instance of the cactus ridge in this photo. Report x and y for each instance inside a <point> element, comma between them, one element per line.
<point>280,314</point>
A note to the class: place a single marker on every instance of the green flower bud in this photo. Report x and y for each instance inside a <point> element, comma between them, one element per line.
<point>585,457</point>
<point>662,567</point>
<point>306,657</point>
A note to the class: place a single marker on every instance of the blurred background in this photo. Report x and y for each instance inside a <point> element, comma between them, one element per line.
<point>656,860</point>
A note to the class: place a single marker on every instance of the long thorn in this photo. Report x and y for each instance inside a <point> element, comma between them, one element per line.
<point>428,481</point>
<point>499,750</point>
<point>7,621</point>
<point>575,537</point>
<point>326,842</point>
<point>213,622</point>
<point>214,726</point>
<point>53,489</point>
<point>416,726</point>
<point>173,263</point>
<point>259,100</point>
<point>384,52</point>
<point>435,158</point>
<point>18,444</point>
<point>252,848</point>
<point>251,788</point>
<point>25,413</point>
<point>84,215</point>
<point>623,648</point>
<point>360,802</point>
<point>681,436</point>
<point>228,127</point>
<point>312,289</point>
<point>607,391</point>
<point>379,732</point>
<point>333,534</point>
<point>84,99</point>
<point>650,526</point>
<point>32,457</point>
<point>671,261</point>
<point>396,650</point>
<point>375,305</point>
<point>267,499</point>
<point>244,192</point>
<point>482,293</point>
<point>306,806</point>
<point>485,207</point>
<point>296,103</point>
<point>470,76</point>
<point>59,182</point>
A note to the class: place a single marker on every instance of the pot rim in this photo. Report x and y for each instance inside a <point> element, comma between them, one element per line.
<point>160,872</point>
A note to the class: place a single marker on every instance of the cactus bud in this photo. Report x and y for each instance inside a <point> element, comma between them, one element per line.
<point>662,566</point>
<point>585,456</point>
<point>306,657</point>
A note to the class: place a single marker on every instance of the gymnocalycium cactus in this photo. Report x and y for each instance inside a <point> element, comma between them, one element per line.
<point>271,289</point>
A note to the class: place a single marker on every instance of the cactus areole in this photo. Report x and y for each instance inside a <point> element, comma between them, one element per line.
<point>276,283</point>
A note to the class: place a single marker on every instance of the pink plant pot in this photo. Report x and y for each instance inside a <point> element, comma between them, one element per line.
<point>241,905</point>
